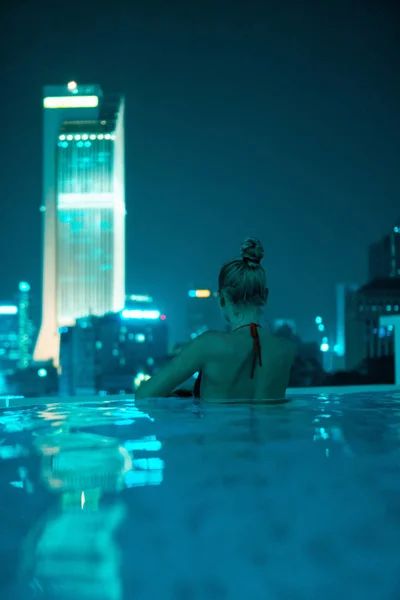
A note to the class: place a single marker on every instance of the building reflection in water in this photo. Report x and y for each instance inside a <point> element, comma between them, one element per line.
<point>73,552</point>
<point>326,429</point>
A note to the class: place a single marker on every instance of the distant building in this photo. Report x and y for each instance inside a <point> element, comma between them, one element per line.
<point>112,353</point>
<point>25,328</point>
<point>281,325</point>
<point>9,339</point>
<point>202,312</point>
<point>344,294</point>
<point>35,380</point>
<point>83,208</point>
<point>384,256</point>
<point>365,337</point>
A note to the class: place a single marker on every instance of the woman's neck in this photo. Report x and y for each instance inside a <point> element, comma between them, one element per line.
<point>243,319</point>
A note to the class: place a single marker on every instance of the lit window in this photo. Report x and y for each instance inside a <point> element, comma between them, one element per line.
<point>92,137</point>
<point>99,345</point>
<point>100,136</point>
<point>80,144</point>
<point>150,361</point>
<point>396,307</point>
<point>115,352</point>
<point>77,137</point>
<point>88,144</point>
<point>321,327</point>
<point>85,136</point>
<point>70,137</point>
<point>122,338</point>
<point>107,136</point>
<point>140,338</point>
<point>388,307</point>
<point>62,138</point>
<point>113,137</point>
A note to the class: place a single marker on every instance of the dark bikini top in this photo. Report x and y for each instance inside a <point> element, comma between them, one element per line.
<point>256,356</point>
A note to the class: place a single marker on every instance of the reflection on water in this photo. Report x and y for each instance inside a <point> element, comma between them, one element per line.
<point>73,552</point>
<point>313,484</point>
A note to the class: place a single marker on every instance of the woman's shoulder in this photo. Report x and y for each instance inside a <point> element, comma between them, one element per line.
<point>280,345</point>
<point>213,342</point>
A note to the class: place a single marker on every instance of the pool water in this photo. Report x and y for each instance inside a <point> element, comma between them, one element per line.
<point>109,501</point>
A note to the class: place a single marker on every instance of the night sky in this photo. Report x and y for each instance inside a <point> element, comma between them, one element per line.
<point>279,120</point>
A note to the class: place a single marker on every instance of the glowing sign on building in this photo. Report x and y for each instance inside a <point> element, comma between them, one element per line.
<point>71,102</point>
<point>8,310</point>
<point>199,293</point>
<point>140,314</point>
<point>138,298</point>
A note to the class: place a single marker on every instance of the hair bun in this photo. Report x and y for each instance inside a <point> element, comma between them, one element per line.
<point>252,251</point>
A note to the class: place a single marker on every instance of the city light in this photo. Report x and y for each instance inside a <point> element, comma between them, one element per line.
<point>24,287</point>
<point>140,314</point>
<point>140,377</point>
<point>199,293</point>
<point>140,338</point>
<point>8,310</point>
<point>318,320</point>
<point>324,347</point>
<point>138,298</point>
<point>71,102</point>
<point>163,317</point>
<point>321,327</point>
<point>42,373</point>
<point>72,86</point>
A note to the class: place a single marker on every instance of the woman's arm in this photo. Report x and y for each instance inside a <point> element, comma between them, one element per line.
<point>190,360</point>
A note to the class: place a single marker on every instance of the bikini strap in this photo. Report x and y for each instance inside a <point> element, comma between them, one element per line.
<point>256,348</point>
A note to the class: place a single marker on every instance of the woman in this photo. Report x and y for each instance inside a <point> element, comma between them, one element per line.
<point>245,363</point>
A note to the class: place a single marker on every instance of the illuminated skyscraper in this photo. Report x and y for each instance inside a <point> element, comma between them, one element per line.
<point>84,209</point>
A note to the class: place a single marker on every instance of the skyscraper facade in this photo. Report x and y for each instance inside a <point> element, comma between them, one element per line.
<point>84,209</point>
<point>384,256</point>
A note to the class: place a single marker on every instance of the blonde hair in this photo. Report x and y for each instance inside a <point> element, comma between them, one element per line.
<point>243,280</point>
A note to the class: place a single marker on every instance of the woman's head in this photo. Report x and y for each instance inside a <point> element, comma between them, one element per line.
<point>242,282</point>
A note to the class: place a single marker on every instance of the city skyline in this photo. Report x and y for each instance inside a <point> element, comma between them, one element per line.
<point>264,121</point>
<point>83,208</point>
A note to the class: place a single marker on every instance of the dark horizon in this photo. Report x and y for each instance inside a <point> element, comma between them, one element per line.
<point>279,122</point>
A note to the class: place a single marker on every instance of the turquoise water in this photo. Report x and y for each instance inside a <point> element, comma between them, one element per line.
<point>104,501</point>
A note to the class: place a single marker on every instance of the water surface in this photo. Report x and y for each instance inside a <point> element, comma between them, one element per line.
<point>102,500</point>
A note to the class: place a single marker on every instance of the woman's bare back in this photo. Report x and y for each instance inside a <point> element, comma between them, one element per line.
<point>227,374</point>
